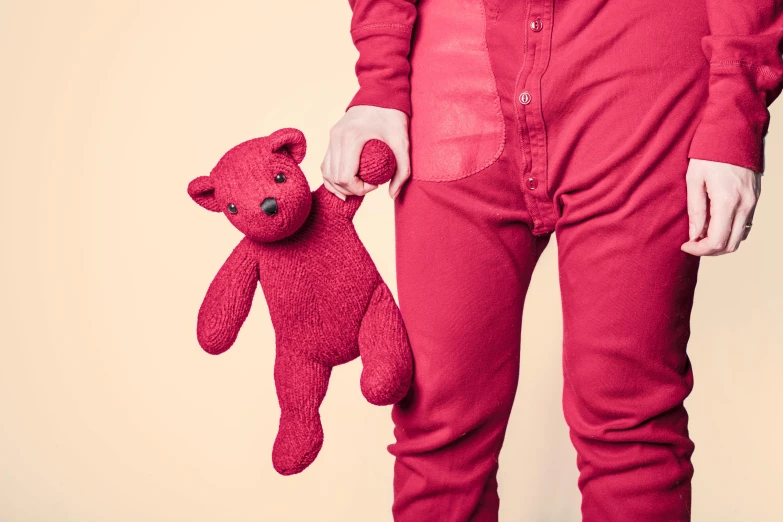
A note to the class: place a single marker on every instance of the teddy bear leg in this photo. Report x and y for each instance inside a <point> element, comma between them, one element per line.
<point>301,387</point>
<point>385,350</point>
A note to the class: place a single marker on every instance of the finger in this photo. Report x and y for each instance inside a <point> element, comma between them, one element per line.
<point>328,175</point>
<point>331,188</point>
<point>334,160</point>
<point>367,187</point>
<point>697,206</point>
<point>348,168</point>
<point>757,193</point>
<point>401,152</point>
<point>722,212</point>
<point>748,221</point>
<point>719,225</point>
<point>757,185</point>
<point>741,218</point>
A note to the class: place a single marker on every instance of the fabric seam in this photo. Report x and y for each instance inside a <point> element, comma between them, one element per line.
<point>402,28</point>
<point>764,70</point>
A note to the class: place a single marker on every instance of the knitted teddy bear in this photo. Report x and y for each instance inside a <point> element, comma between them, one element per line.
<point>327,301</point>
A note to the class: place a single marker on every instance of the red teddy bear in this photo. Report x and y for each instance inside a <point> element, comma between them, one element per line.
<point>327,301</point>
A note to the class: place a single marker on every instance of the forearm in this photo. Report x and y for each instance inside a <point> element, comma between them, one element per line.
<point>381,31</point>
<point>746,75</point>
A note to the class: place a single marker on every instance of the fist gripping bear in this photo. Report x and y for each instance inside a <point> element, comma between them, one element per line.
<point>327,301</point>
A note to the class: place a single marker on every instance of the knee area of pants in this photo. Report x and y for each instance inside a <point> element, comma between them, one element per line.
<point>603,407</point>
<point>481,437</point>
<point>667,427</point>
<point>435,426</point>
<point>624,397</point>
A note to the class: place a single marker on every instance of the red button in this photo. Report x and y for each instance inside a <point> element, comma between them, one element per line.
<point>532,183</point>
<point>525,98</point>
<point>536,25</point>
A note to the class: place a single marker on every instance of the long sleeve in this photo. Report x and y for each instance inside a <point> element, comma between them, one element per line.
<point>381,31</point>
<point>746,75</point>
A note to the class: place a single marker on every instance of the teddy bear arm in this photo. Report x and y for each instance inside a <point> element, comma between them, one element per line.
<point>336,206</point>
<point>228,300</point>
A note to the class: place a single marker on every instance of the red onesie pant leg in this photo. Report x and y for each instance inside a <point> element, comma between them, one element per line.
<point>619,117</point>
<point>465,255</point>
<point>627,293</point>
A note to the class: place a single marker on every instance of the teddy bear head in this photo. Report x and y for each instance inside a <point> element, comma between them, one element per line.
<point>259,186</point>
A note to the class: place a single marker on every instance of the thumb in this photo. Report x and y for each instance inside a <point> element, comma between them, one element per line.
<point>697,206</point>
<point>402,173</point>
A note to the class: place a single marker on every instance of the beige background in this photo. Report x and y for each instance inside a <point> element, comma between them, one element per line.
<point>110,411</point>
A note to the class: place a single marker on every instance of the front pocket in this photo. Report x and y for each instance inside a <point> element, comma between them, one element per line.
<point>457,126</point>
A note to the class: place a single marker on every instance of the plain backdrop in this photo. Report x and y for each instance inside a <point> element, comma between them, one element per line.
<point>110,411</point>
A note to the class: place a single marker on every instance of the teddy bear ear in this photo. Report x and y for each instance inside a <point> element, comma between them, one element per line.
<point>290,141</point>
<point>202,190</point>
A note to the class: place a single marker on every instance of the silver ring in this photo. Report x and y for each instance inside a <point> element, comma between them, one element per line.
<point>747,231</point>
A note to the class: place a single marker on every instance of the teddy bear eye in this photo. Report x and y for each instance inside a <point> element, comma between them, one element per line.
<point>232,208</point>
<point>280,178</point>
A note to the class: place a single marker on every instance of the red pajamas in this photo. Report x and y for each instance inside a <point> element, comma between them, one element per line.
<point>576,118</point>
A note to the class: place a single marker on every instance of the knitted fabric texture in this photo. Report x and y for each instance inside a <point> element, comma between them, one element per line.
<point>327,301</point>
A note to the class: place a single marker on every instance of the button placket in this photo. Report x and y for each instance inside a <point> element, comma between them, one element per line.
<point>538,48</point>
<point>525,98</point>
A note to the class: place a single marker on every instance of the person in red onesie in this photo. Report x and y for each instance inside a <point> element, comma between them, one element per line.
<point>634,131</point>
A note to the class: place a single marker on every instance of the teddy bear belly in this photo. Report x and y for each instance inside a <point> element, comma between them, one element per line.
<point>320,325</point>
<point>317,297</point>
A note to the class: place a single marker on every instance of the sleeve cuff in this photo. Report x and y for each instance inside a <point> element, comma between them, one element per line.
<point>383,69</point>
<point>734,121</point>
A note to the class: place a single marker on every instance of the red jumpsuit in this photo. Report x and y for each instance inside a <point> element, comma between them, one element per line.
<point>578,118</point>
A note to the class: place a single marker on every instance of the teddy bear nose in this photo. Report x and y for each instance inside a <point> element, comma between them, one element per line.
<point>269,206</point>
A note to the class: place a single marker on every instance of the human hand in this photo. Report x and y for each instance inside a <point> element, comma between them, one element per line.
<point>360,124</point>
<point>718,226</point>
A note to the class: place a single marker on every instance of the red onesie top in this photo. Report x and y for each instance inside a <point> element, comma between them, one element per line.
<point>743,49</point>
